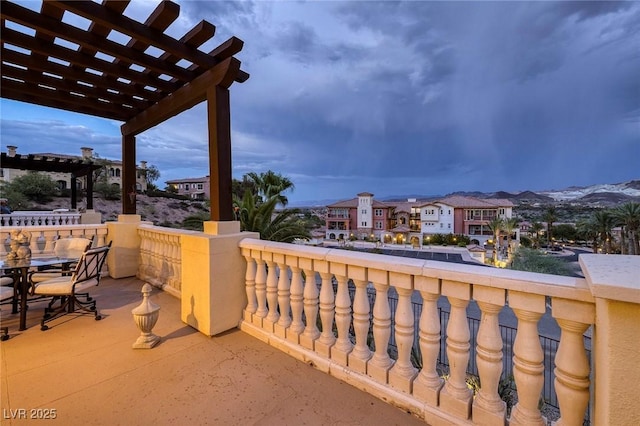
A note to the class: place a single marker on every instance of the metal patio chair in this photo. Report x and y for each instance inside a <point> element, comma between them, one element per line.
<point>67,288</point>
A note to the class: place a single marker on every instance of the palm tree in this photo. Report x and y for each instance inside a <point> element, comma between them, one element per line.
<point>269,184</point>
<point>536,227</point>
<point>509,226</point>
<point>261,217</point>
<point>495,225</point>
<point>588,231</point>
<point>604,223</point>
<point>550,216</point>
<point>628,216</point>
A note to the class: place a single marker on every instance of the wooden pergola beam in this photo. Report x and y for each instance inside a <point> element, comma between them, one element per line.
<point>184,98</point>
<point>133,86</point>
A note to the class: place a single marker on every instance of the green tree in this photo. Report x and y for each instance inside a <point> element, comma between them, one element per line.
<point>495,225</point>
<point>151,174</point>
<point>587,230</point>
<point>604,223</point>
<point>269,184</point>
<point>535,228</point>
<point>565,231</point>
<point>16,199</point>
<point>261,217</point>
<point>535,261</point>
<point>509,226</point>
<point>628,215</point>
<point>37,187</point>
<point>550,216</point>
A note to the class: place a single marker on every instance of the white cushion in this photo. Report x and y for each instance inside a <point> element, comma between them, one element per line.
<point>6,280</point>
<point>61,286</point>
<point>71,247</point>
<point>6,293</point>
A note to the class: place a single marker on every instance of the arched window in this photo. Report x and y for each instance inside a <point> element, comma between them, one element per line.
<point>117,172</point>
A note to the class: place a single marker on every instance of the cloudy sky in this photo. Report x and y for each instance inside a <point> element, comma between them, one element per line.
<point>398,98</point>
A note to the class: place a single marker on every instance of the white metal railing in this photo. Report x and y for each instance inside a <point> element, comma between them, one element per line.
<point>39,218</point>
<point>288,309</point>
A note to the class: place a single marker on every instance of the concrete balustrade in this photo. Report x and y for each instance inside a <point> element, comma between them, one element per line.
<point>354,337</point>
<point>160,261</point>
<point>313,303</point>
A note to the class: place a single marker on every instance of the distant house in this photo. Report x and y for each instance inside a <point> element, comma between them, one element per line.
<point>358,218</point>
<point>407,221</point>
<point>113,169</point>
<point>468,216</point>
<point>194,188</point>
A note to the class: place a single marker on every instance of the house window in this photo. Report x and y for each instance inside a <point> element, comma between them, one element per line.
<point>449,225</point>
<point>378,212</point>
<point>441,225</point>
<point>378,225</point>
<point>200,186</point>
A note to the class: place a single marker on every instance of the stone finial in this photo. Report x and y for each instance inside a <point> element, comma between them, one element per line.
<point>145,317</point>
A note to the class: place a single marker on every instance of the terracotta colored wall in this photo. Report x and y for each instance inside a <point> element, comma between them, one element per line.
<point>458,221</point>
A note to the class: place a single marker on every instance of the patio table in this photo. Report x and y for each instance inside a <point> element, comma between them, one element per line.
<point>20,270</point>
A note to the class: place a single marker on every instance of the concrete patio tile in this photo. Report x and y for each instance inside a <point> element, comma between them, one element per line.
<point>87,371</point>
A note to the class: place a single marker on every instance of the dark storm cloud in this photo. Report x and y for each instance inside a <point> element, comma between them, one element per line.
<point>417,97</point>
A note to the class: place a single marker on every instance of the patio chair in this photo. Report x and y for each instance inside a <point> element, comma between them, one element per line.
<point>64,247</point>
<point>7,295</point>
<point>67,288</point>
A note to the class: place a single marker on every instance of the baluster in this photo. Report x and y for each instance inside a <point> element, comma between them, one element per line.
<point>427,385</point>
<point>284,295</point>
<point>250,285</point>
<point>380,363</point>
<point>272,293</point>
<point>101,237</point>
<point>261,289</point>
<point>33,243</point>
<point>572,365</point>
<point>144,254</point>
<point>297,301</point>
<point>311,332</point>
<point>528,358</point>
<point>176,262</point>
<point>327,312</point>
<point>488,407</point>
<point>343,345</point>
<point>455,396</point>
<point>361,354</point>
<point>403,372</point>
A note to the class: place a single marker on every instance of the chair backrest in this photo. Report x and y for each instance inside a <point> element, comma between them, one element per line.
<point>71,247</point>
<point>90,264</point>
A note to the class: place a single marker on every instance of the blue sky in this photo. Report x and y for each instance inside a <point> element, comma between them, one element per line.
<point>398,98</point>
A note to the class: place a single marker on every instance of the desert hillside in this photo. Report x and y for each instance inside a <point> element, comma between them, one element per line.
<point>159,210</point>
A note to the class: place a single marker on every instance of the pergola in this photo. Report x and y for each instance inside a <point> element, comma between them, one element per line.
<point>77,168</point>
<point>142,82</point>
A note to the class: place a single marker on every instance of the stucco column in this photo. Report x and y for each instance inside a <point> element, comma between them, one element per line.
<point>213,277</point>
<point>613,281</point>
<point>124,256</point>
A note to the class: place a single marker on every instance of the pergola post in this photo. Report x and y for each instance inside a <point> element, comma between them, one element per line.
<point>74,191</point>
<point>219,118</point>
<point>128,174</point>
<point>90,189</point>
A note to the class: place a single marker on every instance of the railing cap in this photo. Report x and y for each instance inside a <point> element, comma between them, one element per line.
<point>613,277</point>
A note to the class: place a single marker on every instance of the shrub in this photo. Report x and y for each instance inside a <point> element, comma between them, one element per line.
<point>38,187</point>
<point>534,261</point>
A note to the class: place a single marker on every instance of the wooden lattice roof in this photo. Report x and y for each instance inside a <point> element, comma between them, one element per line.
<point>49,62</point>
<point>77,167</point>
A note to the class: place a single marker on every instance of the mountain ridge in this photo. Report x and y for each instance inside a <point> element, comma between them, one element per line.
<point>593,195</point>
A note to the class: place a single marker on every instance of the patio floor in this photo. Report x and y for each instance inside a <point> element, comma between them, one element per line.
<point>85,372</point>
